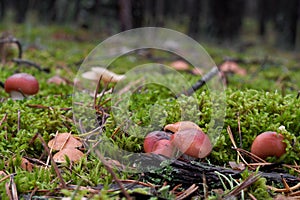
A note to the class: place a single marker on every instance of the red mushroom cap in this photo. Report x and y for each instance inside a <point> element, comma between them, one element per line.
<point>152,138</point>
<point>22,82</point>
<point>192,142</point>
<point>268,144</point>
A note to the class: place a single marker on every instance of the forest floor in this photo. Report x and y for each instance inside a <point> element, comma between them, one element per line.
<point>261,94</point>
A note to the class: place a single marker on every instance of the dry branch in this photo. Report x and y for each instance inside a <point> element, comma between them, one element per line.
<point>187,173</point>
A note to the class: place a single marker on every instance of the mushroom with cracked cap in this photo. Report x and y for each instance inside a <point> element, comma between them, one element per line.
<point>192,142</point>
<point>153,138</point>
<point>164,147</point>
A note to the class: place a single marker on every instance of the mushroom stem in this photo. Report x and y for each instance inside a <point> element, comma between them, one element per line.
<point>16,95</point>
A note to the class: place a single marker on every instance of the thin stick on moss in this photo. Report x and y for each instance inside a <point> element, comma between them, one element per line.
<point>13,187</point>
<point>30,63</point>
<point>239,128</point>
<point>234,144</point>
<point>295,168</point>
<point>109,169</point>
<point>205,187</point>
<point>8,192</point>
<point>245,184</point>
<point>187,192</point>
<point>214,71</point>
<point>96,91</point>
<point>251,155</point>
<point>33,192</point>
<point>5,177</point>
<point>19,119</point>
<point>103,92</point>
<point>3,119</point>
<point>51,149</point>
<point>62,182</point>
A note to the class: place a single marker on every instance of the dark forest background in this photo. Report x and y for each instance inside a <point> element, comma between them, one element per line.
<point>221,21</point>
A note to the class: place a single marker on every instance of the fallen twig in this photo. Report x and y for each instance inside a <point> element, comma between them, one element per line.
<point>246,183</point>
<point>187,192</point>
<point>201,82</point>
<point>100,156</point>
<point>234,144</point>
<point>19,120</point>
<point>3,119</point>
<point>191,172</point>
<point>30,63</point>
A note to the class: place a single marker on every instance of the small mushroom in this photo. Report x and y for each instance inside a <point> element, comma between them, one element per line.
<point>268,144</point>
<point>164,147</point>
<point>58,80</point>
<point>192,142</point>
<point>232,67</point>
<point>63,141</point>
<point>183,125</point>
<point>152,138</point>
<point>180,65</point>
<point>21,85</point>
<point>105,75</point>
<point>72,153</point>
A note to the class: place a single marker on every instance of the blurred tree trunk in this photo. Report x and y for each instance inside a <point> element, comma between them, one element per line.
<point>225,18</point>
<point>77,10</point>
<point>194,16</point>
<point>21,8</point>
<point>47,11</point>
<point>263,13</point>
<point>286,22</point>
<point>125,14</point>
<point>138,9</point>
<point>154,12</point>
<point>2,9</point>
<point>159,10</point>
<point>149,12</point>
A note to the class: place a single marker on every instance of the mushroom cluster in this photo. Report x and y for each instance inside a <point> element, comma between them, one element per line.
<point>66,145</point>
<point>185,137</point>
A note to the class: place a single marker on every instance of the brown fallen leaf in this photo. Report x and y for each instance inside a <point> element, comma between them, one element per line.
<point>26,165</point>
<point>64,140</point>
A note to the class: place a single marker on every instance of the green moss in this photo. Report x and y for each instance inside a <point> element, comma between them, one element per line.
<point>263,100</point>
